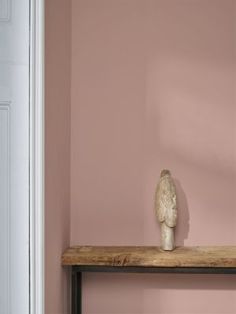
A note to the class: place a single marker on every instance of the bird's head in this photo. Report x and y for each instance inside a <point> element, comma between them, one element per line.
<point>165,172</point>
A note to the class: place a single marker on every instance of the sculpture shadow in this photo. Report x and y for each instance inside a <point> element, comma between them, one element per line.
<point>182,228</point>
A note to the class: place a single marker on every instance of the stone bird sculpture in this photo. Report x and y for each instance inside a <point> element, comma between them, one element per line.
<point>166,209</point>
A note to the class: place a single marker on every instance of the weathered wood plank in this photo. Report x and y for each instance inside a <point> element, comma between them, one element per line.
<point>146,256</point>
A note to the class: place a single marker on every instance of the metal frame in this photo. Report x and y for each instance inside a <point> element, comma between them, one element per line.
<point>77,271</point>
<point>76,292</point>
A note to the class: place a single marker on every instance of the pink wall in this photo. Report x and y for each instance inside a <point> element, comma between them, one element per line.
<point>57,107</point>
<point>153,85</point>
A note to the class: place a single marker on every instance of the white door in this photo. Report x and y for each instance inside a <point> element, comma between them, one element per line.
<point>14,156</point>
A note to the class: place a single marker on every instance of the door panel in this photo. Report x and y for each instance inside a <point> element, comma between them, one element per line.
<point>14,156</point>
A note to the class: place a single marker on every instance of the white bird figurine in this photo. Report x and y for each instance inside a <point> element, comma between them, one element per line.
<point>166,209</point>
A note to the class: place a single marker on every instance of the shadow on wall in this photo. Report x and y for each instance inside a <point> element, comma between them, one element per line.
<point>183,215</point>
<point>155,293</point>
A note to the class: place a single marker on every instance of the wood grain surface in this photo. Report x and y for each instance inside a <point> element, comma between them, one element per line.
<point>147,256</point>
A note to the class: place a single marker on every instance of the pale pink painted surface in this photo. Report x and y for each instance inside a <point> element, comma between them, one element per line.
<point>153,86</point>
<point>57,155</point>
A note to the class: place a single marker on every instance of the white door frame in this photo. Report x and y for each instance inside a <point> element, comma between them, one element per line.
<point>37,157</point>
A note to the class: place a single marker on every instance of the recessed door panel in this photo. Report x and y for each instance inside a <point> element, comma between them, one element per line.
<point>14,156</point>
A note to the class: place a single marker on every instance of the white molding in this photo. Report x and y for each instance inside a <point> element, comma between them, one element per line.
<point>5,106</point>
<point>37,157</point>
<point>5,103</point>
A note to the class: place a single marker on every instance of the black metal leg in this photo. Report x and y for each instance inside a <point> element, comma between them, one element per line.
<point>76,293</point>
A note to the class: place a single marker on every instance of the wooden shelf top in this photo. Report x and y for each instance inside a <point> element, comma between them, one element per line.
<point>150,256</point>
